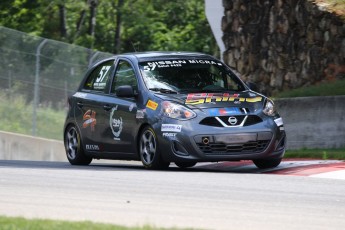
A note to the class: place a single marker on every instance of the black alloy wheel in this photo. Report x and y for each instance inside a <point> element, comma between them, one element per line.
<point>74,150</point>
<point>149,152</point>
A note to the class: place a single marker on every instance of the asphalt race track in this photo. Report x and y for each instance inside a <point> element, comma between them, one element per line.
<point>230,195</point>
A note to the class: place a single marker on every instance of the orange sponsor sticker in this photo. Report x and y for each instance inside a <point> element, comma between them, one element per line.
<point>151,105</point>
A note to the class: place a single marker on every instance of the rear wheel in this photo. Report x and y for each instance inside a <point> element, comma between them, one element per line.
<point>148,150</point>
<point>267,163</point>
<point>185,164</point>
<point>74,150</point>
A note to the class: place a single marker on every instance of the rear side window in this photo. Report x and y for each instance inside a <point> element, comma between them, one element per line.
<point>98,78</point>
<point>124,75</point>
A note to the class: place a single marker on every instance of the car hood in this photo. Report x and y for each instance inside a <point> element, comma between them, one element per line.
<point>205,100</point>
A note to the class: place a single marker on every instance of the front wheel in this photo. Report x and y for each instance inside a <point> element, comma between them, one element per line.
<point>148,150</point>
<point>267,163</point>
<point>74,150</point>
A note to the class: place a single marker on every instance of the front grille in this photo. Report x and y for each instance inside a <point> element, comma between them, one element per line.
<point>252,120</point>
<point>228,149</point>
<point>210,121</point>
<point>221,120</point>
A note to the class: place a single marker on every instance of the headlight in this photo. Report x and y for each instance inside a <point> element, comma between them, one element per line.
<point>269,108</point>
<point>177,111</point>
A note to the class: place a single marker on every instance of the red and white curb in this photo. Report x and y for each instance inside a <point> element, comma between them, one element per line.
<point>332,169</point>
<point>314,168</point>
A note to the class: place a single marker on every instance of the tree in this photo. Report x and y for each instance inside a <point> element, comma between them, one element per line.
<point>122,26</point>
<point>117,39</point>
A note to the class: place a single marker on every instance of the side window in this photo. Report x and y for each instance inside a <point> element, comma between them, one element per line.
<point>98,78</point>
<point>124,75</point>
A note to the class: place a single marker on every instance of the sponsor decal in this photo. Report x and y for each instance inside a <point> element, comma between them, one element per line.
<point>140,114</point>
<point>207,62</point>
<point>80,95</point>
<point>177,63</point>
<point>201,98</point>
<point>279,121</point>
<point>224,111</point>
<point>92,147</point>
<point>101,80</point>
<point>115,123</point>
<point>253,99</point>
<point>89,119</point>
<point>171,128</point>
<point>169,135</point>
<point>151,105</point>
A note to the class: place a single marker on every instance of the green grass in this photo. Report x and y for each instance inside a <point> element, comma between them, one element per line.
<point>325,154</point>
<point>335,88</point>
<point>16,116</point>
<point>18,223</point>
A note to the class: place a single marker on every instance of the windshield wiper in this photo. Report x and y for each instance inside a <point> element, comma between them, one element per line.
<point>162,90</point>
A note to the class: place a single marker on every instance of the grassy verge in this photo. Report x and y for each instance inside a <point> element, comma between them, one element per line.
<point>325,154</point>
<point>326,89</point>
<point>16,116</point>
<point>18,223</point>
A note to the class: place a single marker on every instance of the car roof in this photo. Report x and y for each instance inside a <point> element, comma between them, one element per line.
<point>155,55</point>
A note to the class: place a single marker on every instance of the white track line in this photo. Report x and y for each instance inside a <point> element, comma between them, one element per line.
<point>339,174</point>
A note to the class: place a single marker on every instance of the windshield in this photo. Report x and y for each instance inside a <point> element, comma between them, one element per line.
<point>188,75</point>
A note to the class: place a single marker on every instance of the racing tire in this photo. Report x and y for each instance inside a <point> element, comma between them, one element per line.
<point>183,165</point>
<point>148,150</point>
<point>74,150</point>
<point>267,163</point>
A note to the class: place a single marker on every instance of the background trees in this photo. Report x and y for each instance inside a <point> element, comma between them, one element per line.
<point>114,26</point>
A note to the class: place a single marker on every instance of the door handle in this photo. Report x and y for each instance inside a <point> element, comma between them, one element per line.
<point>107,107</point>
<point>80,104</point>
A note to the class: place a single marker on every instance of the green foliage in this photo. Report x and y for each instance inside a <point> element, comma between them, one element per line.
<point>17,117</point>
<point>17,223</point>
<point>325,154</point>
<point>168,25</point>
<point>326,89</point>
<point>144,24</point>
<point>23,15</point>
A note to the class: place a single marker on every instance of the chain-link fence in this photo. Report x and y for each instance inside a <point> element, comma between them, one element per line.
<point>37,75</point>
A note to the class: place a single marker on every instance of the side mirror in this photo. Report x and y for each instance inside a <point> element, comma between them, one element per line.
<point>125,91</point>
<point>252,86</point>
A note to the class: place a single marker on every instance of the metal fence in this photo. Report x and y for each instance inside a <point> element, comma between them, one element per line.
<point>42,71</point>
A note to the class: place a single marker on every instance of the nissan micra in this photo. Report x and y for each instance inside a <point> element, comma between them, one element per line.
<point>163,107</point>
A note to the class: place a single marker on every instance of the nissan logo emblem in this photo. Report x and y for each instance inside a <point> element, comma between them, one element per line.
<point>232,120</point>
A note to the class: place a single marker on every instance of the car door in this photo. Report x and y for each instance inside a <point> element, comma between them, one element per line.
<point>89,106</point>
<point>119,137</point>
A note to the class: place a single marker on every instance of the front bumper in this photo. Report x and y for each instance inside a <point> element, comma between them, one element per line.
<point>203,143</point>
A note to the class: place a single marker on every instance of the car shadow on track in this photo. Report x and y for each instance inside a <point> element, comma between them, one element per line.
<point>221,167</point>
<point>224,167</point>
<point>58,165</point>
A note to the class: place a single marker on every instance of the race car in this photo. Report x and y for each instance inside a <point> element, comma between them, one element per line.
<point>164,107</point>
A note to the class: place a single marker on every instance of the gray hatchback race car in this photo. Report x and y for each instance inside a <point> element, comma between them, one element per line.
<point>163,107</point>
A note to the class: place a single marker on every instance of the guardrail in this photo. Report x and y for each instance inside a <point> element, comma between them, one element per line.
<point>22,147</point>
<point>313,122</point>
